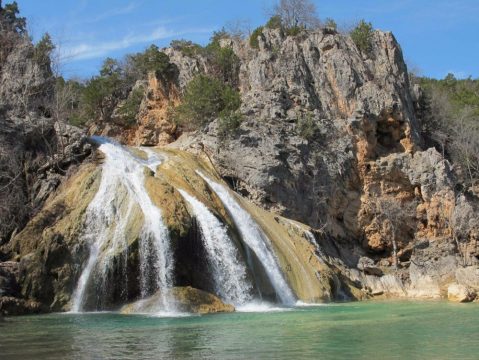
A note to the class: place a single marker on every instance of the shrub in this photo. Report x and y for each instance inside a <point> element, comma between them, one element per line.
<point>187,48</point>
<point>274,22</point>
<point>153,60</point>
<point>307,127</point>
<point>330,23</point>
<point>42,51</point>
<point>293,31</point>
<point>228,122</point>
<point>224,60</point>
<point>9,19</point>
<point>362,36</point>
<point>205,99</point>
<point>130,108</point>
<point>253,39</point>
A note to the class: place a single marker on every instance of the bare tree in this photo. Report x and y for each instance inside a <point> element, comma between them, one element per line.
<point>393,216</point>
<point>296,13</point>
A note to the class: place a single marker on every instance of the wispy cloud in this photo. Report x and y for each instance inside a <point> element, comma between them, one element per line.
<point>84,51</point>
<point>128,9</point>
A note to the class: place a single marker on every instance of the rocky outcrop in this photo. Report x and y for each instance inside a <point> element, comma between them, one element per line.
<point>363,178</point>
<point>153,124</point>
<point>35,150</point>
<point>460,293</point>
<point>186,299</point>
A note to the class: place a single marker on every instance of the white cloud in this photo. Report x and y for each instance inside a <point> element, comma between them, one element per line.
<point>115,12</point>
<point>84,51</point>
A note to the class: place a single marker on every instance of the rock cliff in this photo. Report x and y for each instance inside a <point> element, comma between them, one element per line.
<point>385,216</point>
<point>364,178</point>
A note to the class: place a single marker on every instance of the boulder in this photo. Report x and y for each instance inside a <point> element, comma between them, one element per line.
<point>368,267</point>
<point>460,293</point>
<point>187,299</point>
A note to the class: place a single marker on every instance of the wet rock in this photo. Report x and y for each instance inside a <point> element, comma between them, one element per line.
<point>368,266</point>
<point>186,299</point>
<point>460,293</point>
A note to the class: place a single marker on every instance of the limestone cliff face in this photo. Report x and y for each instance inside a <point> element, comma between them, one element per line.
<point>153,124</point>
<point>385,216</point>
<point>364,178</point>
<point>35,151</point>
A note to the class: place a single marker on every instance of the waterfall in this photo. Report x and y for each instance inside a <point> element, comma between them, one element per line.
<point>257,241</point>
<point>229,273</point>
<point>122,180</point>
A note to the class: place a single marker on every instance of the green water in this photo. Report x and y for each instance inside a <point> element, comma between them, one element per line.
<point>369,330</point>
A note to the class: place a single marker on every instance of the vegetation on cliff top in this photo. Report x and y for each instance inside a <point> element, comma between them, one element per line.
<point>450,120</point>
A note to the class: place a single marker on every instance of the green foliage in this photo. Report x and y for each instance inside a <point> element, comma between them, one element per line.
<point>330,23</point>
<point>205,99</point>
<point>460,93</point>
<point>274,22</point>
<point>43,49</point>
<point>10,20</point>
<point>219,35</point>
<point>66,105</point>
<point>130,108</point>
<point>225,62</point>
<point>449,111</point>
<point>362,36</point>
<point>187,48</point>
<point>228,123</point>
<point>294,31</point>
<point>153,60</point>
<point>253,39</point>
<point>307,127</point>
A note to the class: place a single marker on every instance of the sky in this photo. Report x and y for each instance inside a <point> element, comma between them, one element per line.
<point>437,36</point>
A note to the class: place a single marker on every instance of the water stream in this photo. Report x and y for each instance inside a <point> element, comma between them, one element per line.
<point>229,272</point>
<point>255,239</point>
<point>106,220</point>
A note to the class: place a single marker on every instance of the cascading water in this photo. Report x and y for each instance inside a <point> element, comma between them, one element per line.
<point>255,239</point>
<point>229,273</point>
<point>105,224</point>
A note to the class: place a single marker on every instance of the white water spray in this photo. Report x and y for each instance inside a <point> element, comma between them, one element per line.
<point>106,222</point>
<point>229,273</point>
<point>255,239</point>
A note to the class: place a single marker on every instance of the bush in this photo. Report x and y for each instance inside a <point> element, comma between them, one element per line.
<point>130,108</point>
<point>293,31</point>
<point>331,24</point>
<point>362,36</point>
<point>307,127</point>
<point>42,51</point>
<point>9,19</point>
<point>274,22</point>
<point>205,99</point>
<point>449,112</point>
<point>224,61</point>
<point>187,48</point>
<point>253,39</point>
<point>228,122</point>
<point>153,60</point>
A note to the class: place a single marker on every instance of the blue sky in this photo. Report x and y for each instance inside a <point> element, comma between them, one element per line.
<point>437,36</point>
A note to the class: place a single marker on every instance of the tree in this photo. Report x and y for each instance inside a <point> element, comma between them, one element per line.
<point>331,24</point>
<point>206,98</point>
<point>152,60</point>
<point>43,51</point>
<point>9,19</point>
<point>362,36</point>
<point>296,14</point>
<point>392,216</point>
